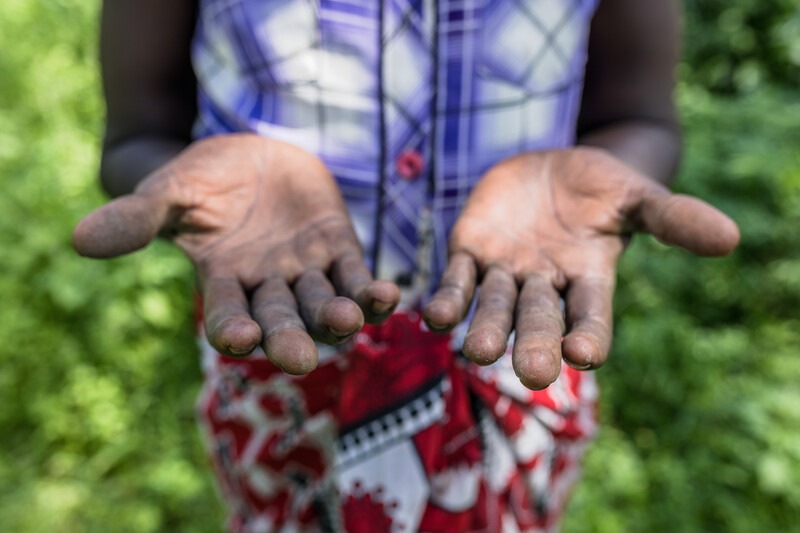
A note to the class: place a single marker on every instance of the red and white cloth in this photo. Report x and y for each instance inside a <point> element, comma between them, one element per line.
<point>393,432</point>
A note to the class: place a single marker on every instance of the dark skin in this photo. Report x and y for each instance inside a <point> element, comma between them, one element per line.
<point>278,261</point>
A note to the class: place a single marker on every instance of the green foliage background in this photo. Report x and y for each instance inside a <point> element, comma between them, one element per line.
<point>701,402</point>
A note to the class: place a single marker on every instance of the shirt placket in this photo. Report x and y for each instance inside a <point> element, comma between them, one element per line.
<point>407,87</point>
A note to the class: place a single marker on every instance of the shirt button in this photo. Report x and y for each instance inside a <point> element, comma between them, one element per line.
<point>410,164</point>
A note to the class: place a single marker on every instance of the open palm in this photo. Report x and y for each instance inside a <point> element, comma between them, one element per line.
<point>541,226</point>
<point>266,227</point>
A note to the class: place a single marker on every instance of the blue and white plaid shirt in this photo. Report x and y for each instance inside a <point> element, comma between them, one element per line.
<point>408,102</point>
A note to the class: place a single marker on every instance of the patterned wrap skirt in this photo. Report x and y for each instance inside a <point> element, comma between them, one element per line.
<point>394,431</point>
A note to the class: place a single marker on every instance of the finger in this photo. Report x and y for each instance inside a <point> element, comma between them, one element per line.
<point>688,222</point>
<point>539,326</point>
<point>376,298</point>
<point>121,226</point>
<point>284,340</point>
<point>488,333</point>
<point>450,303</point>
<point>229,327</point>
<point>590,320</point>
<point>329,318</point>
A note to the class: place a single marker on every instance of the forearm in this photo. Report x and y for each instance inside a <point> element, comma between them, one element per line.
<point>126,163</point>
<point>652,148</point>
<point>149,85</point>
<point>628,106</point>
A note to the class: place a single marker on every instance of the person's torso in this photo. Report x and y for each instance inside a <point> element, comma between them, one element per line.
<point>407,102</point>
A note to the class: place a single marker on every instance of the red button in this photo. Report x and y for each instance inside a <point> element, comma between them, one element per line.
<point>410,164</point>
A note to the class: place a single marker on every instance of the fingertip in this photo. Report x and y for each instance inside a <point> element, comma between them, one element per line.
<point>341,316</point>
<point>80,237</point>
<point>536,368</point>
<point>582,352</point>
<point>718,237</point>
<point>485,346</point>
<point>93,237</point>
<point>235,336</point>
<point>728,238</point>
<point>440,315</point>
<point>291,350</point>
<point>382,297</point>
<point>384,293</point>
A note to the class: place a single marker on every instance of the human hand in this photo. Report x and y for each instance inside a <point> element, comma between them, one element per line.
<point>266,227</point>
<point>542,225</point>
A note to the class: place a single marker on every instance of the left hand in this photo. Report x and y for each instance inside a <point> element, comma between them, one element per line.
<point>542,225</point>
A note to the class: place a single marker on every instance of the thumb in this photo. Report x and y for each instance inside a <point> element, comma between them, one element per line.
<point>121,226</point>
<point>689,223</point>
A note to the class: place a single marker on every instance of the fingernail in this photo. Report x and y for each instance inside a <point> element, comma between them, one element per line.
<point>240,351</point>
<point>338,333</point>
<point>379,307</point>
<point>587,366</point>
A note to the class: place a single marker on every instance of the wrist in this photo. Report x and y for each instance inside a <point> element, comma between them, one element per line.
<point>652,148</point>
<point>126,163</point>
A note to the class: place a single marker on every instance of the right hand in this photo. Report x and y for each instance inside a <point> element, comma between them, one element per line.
<point>266,227</point>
